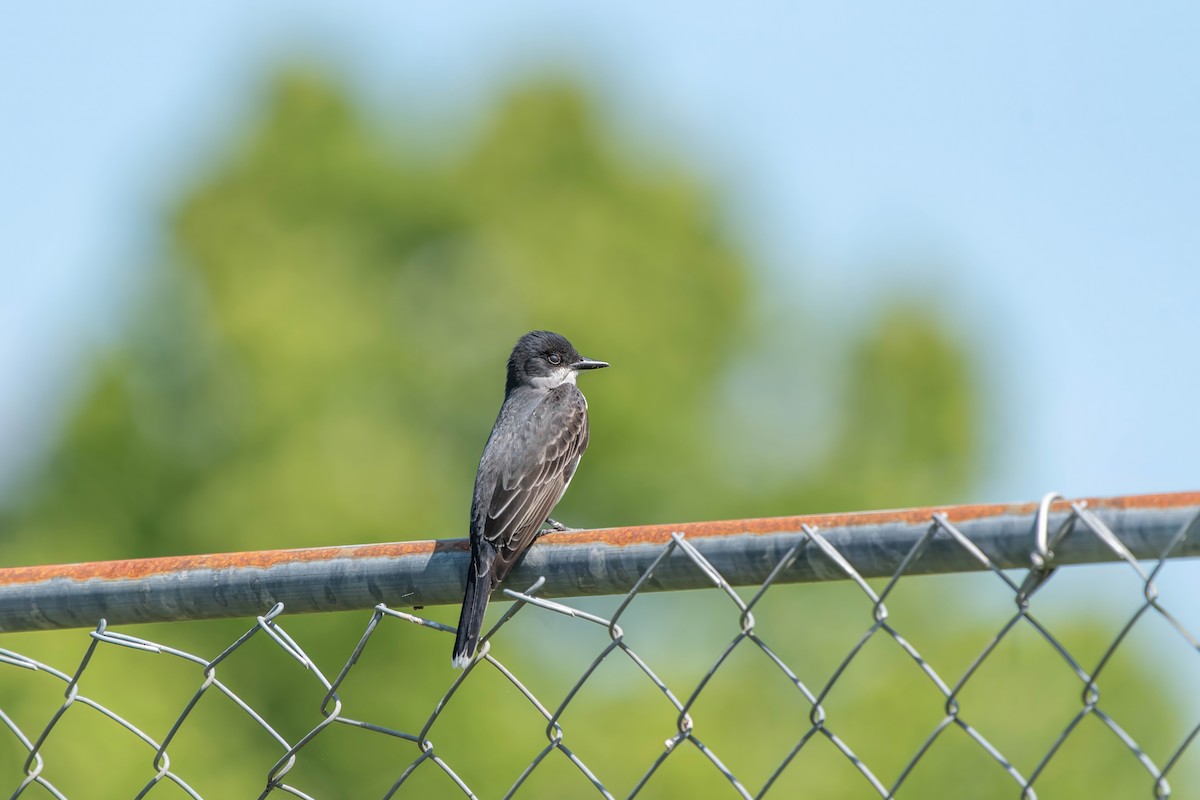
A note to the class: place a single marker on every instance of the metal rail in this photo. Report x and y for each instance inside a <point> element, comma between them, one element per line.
<point>594,562</point>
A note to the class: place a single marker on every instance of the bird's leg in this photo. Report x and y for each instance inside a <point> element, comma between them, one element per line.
<point>553,526</point>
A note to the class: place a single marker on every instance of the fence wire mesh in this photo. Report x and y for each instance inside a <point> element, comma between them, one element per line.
<point>419,758</point>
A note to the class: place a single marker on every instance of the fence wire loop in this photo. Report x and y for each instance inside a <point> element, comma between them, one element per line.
<point>1041,560</point>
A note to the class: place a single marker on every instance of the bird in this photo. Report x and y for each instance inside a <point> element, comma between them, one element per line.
<point>528,462</point>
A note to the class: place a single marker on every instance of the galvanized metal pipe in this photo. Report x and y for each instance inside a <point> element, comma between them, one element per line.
<point>595,562</point>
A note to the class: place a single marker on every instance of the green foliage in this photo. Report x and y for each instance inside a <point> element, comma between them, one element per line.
<point>908,432</point>
<point>320,362</point>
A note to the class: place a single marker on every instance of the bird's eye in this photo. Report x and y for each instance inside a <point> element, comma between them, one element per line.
<point>554,358</point>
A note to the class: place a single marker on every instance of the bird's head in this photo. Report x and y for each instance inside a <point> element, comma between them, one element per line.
<point>545,360</point>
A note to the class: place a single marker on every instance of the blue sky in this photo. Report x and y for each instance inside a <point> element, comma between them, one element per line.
<point>1031,168</point>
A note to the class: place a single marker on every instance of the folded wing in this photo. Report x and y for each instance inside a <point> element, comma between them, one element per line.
<point>541,461</point>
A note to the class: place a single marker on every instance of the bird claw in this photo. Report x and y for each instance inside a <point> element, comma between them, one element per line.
<point>554,526</point>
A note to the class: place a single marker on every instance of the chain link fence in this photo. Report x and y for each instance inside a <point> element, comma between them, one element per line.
<point>564,665</point>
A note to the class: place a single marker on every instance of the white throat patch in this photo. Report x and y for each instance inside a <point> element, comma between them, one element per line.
<point>556,378</point>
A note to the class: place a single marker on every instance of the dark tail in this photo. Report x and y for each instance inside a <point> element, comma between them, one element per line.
<point>470,621</point>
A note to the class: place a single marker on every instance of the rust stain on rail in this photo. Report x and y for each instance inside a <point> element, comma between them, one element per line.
<point>658,534</point>
<point>132,569</point>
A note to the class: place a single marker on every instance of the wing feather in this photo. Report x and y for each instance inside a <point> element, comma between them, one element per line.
<point>539,462</point>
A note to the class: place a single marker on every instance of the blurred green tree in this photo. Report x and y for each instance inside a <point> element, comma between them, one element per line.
<point>320,361</point>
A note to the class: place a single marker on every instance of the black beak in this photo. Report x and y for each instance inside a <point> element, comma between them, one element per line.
<point>587,363</point>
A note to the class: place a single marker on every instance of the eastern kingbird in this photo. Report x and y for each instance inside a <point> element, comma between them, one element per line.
<point>527,464</point>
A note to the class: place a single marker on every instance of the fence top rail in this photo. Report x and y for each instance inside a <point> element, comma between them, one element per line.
<point>592,562</point>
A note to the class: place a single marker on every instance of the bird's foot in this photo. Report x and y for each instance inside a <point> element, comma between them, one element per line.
<point>553,526</point>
